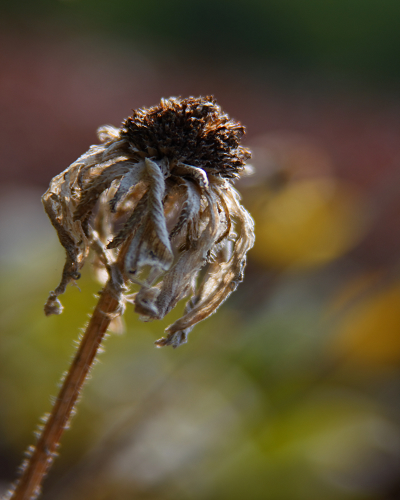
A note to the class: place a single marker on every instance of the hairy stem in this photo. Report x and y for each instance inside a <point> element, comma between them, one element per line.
<point>42,455</point>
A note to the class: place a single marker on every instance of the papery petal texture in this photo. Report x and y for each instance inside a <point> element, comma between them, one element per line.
<point>155,201</point>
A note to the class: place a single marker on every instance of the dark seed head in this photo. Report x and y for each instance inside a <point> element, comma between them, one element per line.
<point>194,131</point>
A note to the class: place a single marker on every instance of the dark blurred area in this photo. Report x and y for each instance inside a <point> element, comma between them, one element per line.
<point>292,390</point>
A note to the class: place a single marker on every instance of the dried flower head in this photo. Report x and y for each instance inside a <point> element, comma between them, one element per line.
<point>156,204</point>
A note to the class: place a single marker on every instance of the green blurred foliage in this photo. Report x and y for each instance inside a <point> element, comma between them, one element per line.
<point>360,37</point>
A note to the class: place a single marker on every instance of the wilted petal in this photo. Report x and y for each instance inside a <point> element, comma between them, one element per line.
<point>198,174</point>
<point>190,208</point>
<point>150,244</point>
<point>223,277</point>
<point>101,181</point>
<point>180,280</point>
<point>129,180</point>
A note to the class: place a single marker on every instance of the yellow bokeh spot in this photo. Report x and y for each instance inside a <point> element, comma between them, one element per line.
<point>309,222</point>
<point>370,330</point>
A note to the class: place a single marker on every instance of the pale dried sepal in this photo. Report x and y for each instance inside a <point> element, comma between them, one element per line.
<point>130,179</point>
<point>107,133</point>
<point>150,245</point>
<point>132,225</point>
<point>195,173</point>
<point>69,203</point>
<point>190,208</point>
<point>180,280</point>
<point>59,202</point>
<point>222,277</point>
<point>102,181</point>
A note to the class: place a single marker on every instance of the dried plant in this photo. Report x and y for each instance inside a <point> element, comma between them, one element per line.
<point>155,203</point>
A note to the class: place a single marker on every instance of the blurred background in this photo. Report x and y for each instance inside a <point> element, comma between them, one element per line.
<point>292,390</point>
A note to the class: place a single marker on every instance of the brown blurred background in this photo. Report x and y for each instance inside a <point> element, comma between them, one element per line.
<point>292,390</point>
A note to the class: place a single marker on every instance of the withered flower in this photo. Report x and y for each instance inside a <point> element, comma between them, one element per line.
<point>155,202</point>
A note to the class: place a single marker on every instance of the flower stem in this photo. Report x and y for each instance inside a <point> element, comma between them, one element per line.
<point>42,455</point>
